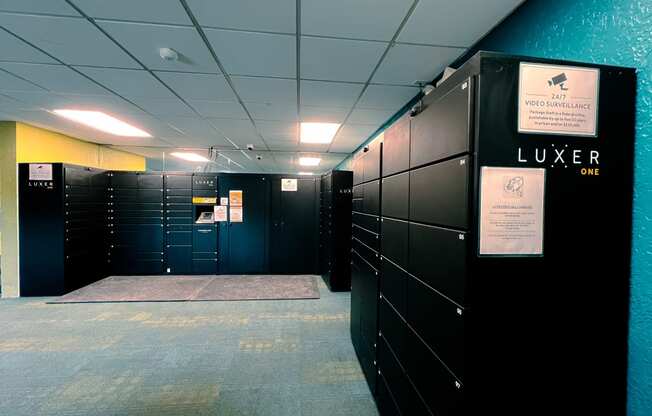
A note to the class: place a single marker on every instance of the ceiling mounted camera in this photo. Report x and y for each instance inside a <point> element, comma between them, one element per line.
<point>259,157</point>
<point>250,147</point>
<point>168,54</point>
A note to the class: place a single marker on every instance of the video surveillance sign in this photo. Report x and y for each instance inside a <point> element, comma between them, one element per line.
<point>554,99</point>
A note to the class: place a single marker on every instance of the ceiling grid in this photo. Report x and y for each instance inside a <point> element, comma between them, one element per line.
<point>248,71</point>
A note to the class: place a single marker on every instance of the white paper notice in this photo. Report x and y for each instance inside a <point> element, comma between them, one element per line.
<point>224,201</point>
<point>40,172</point>
<point>511,211</point>
<point>219,213</point>
<point>236,214</point>
<point>555,99</point>
<point>288,185</point>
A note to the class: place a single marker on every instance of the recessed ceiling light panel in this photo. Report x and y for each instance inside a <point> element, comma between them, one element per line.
<point>306,173</point>
<point>309,161</point>
<point>102,122</point>
<point>318,132</point>
<point>191,157</point>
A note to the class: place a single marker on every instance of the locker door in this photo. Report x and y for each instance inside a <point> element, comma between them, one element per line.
<point>294,228</point>
<point>243,245</point>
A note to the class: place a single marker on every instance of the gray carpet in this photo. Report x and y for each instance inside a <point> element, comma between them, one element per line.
<point>272,358</point>
<point>195,288</point>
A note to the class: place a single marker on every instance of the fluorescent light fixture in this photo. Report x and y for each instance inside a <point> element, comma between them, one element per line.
<point>190,157</point>
<point>318,132</point>
<point>306,173</point>
<point>309,161</point>
<point>103,122</point>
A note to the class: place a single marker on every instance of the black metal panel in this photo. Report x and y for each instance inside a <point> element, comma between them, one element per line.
<point>124,180</point>
<point>371,199</point>
<point>396,147</point>
<point>150,181</point>
<point>396,196</point>
<point>366,221</point>
<point>394,330</point>
<point>368,254</point>
<point>438,257</point>
<point>385,399</point>
<point>358,170</point>
<point>335,229</point>
<point>204,238</point>
<point>443,128</point>
<point>398,383</point>
<point>179,238</point>
<point>437,386</point>
<point>179,259</point>
<point>178,181</point>
<point>371,159</point>
<point>394,241</point>
<point>439,193</point>
<point>393,285</point>
<point>370,239</point>
<point>439,322</point>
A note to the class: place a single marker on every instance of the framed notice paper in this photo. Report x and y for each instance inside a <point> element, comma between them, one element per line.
<point>288,185</point>
<point>511,211</point>
<point>554,99</point>
<point>236,214</point>
<point>219,213</point>
<point>235,198</point>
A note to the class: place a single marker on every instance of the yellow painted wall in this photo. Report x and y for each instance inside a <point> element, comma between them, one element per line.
<point>37,145</point>
<point>22,143</point>
<point>8,210</point>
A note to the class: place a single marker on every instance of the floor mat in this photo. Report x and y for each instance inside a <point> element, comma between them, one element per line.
<point>195,288</point>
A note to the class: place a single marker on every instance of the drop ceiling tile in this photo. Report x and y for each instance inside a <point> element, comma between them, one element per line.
<point>360,19</point>
<point>323,114</point>
<point>130,83</point>
<point>165,107</point>
<point>273,111</point>
<point>460,23</point>
<point>256,15</point>
<point>73,40</point>
<point>351,136</point>
<point>283,145</point>
<point>241,132</point>
<point>329,94</point>
<point>51,101</point>
<point>144,40</point>
<point>405,64</point>
<point>198,86</point>
<point>274,131</point>
<point>370,116</point>
<point>10,82</point>
<point>153,11</point>
<point>257,54</point>
<point>264,90</point>
<point>14,49</point>
<point>58,7</point>
<point>339,59</point>
<point>194,126</point>
<point>386,97</point>
<point>57,78</point>
<point>219,109</point>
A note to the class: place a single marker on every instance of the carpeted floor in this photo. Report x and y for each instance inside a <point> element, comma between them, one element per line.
<point>195,288</point>
<point>249,358</point>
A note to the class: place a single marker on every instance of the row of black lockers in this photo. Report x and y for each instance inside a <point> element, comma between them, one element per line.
<point>365,257</point>
<point>424,225</point>
<point>335,229</point>
<point>85,199</point>
<point>152,224</point>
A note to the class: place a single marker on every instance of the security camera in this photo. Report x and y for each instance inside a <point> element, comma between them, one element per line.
<point>259,157</point>
<point>416,109</point>
<point>427,89</point>
<point>250,147</point>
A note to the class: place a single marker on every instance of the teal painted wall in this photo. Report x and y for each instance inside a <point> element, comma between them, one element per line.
<point>614,32</point>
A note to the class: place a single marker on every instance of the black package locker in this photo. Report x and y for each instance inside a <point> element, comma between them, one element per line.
<point>178,223</point>
<point>62,227</point>
<point>335,229</point>
<point>204,236</point>
<point>365,257</point>
<point>461,333</point>
<point>137,233</point>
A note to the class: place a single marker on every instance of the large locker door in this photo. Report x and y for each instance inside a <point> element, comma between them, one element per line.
<point>294,228</point>
<point>243,245</point>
